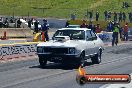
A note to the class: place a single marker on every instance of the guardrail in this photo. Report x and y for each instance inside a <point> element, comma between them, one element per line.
<point>16,32</point>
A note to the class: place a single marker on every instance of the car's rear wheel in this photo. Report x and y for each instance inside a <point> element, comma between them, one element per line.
<point>42,61</point>
<point>96,59</point>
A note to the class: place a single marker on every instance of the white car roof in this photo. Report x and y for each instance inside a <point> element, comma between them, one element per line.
<point>74,25</point>
<point>74,29</point>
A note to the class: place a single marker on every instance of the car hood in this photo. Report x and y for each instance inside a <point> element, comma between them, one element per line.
<point>69,43</point>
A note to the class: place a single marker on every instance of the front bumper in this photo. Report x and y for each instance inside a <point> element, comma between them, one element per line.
<point>60,57</point>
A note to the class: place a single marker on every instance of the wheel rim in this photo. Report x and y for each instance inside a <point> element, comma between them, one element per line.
<point>42,62</point>
<point>82,60</point>
<point>99,57</point>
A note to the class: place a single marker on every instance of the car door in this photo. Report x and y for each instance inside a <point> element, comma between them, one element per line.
<point>89,43</point>
<point>95,41</point>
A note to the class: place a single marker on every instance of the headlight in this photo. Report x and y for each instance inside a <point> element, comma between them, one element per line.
<point>72,50</point>
<point>40,50</point>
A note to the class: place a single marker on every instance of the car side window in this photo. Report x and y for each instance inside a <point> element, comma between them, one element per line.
<point>88,36</point>
<point>93,35</point>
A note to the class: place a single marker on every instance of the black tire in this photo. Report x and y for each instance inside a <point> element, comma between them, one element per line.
<point>81,60</point>
<point>96,59</point>
<point>42,62</point>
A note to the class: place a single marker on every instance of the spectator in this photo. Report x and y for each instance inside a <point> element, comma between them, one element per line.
<point>110,26</point>
<point>124,16</point>
<point>36,23</point>
<point>125,5</point>
<point>109,15</point>
<point>120,17</point>
<point>32,21</point>
<point>6,23</point>
<point>115,34</point>
<point>67,23</point>
<point>29,23</point>
<point>106,15</point>
<point>115,16</point>
<point>97,16</point>
<point>126,32</point>
<point>91,26</point>
<point>45,28</point>
<point>84,24</point>
<point>19,23</point>
<point>130,17</point>
<point>121,33</point>
<point>73,16</point>
<point>98,28</point>
<point>90,15</point>
<point>1,22</point>
<point>11,20</point>
<point>25,19</point>
<point>94,28</point>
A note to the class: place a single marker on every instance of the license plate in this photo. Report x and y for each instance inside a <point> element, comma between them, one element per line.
<point>57,58</point>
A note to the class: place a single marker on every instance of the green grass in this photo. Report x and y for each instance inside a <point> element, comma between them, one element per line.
<point>60,8</point>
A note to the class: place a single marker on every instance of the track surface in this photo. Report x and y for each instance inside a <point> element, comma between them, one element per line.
<point>28,74</point>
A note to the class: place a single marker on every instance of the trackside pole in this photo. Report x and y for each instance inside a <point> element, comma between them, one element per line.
<point>4,37</point>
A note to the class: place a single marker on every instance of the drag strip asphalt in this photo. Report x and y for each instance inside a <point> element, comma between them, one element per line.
<point>28,74</point>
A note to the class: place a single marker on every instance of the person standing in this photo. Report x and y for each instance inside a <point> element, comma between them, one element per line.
<point>124,16</point>
<point>45,28</point>
<point>109,15</point>
<point>126,32</point>
<point>84,24</point>
<point>11,20</point>
<point>98,28</point>
<point>29,23</point>
<point>91,26</point>
<point>131,17</point>
<point>18,23</point>
<point>110,26</point>
<point>106,15</point>
<point>115,34</point>
<point>36,23</point>
<point>115,17</point>
<point>90,15</point>
<point>120,17</point>
<point>97,16</point>
<point>67,23</point>
<point>121,33</point>
<point>6,23</point>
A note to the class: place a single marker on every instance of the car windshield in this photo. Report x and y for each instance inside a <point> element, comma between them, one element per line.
<point>73,34</point>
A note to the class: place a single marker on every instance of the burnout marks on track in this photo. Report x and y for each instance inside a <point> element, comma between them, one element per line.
<point>122,51</point>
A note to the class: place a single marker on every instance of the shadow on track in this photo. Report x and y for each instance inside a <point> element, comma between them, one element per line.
<point>60,66</point>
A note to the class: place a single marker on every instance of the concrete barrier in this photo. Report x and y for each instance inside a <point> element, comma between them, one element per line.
<point>16,32</point>
<point>107,36</point>
<point>18,50</point>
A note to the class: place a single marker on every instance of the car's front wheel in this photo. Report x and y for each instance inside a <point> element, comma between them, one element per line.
<point>96,59</point>
<point>81,60</point>
<point>42,61</point>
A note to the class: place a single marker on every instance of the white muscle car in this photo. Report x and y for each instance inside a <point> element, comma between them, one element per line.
<point>71,45</point>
